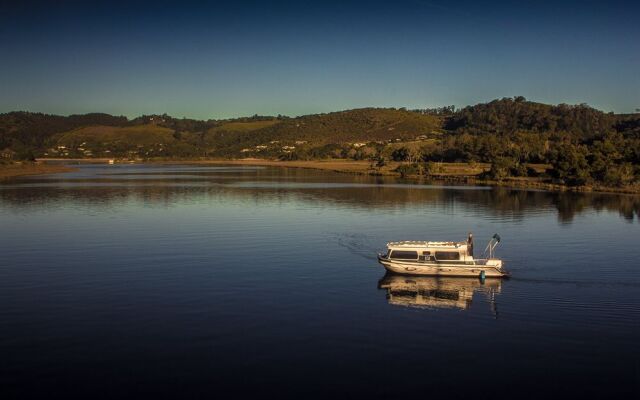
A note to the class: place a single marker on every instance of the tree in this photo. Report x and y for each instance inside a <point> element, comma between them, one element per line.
<point>401,154</point>
<point>501,168</point>
<point>410,169</point>
<point>619,175</point>
<point>570,165</point>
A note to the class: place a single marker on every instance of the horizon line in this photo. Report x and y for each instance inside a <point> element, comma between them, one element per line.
<point>457,108</point>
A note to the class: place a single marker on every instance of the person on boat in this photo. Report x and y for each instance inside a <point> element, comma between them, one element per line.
<point>470,244</point>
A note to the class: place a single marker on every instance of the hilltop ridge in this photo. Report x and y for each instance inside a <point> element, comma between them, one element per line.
<point>581,144</point>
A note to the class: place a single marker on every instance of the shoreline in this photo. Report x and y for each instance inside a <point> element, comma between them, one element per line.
<point>457,173</point>
<point>8,171</point>
<point>459,177</point>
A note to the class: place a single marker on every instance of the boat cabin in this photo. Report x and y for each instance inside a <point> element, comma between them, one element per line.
<point>429,251</point>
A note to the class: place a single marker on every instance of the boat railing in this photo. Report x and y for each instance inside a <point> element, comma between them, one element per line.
<point>488,251</point>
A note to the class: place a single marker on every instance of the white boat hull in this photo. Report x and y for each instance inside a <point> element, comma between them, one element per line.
<point>492,268</point>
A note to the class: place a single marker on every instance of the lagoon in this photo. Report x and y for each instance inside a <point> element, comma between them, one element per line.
<point>197,281</point>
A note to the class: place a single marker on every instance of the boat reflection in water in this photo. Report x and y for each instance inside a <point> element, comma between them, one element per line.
<point>437,292</point>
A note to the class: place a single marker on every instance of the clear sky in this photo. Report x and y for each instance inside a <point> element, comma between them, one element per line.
<point>223,59</point>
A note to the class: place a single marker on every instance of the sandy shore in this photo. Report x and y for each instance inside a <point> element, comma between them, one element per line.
<point>21,169</point>
<point>448,173</point>
<point>354,167</point>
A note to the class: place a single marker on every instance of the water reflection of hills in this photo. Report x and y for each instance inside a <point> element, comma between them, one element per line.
<point>437,292</point>
<point>337,190</point>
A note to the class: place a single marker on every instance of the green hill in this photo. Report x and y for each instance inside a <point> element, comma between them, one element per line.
<point>508,116</point>
<point>148,140</point>
<point>163,136</point>
<point>244,126</point>
<point>26,133</point>
<point>141,134</point>
<point>581,144</point>
<point>352,126</point>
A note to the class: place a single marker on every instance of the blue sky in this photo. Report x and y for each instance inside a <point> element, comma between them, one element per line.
<point>225,59</point>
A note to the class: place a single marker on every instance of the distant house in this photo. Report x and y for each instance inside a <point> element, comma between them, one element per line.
<point>7,154</point>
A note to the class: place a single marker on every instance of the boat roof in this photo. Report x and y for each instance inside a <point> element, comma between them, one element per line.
<point>419,243</point>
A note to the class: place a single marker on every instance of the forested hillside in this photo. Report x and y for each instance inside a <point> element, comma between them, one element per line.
<point>264,136</point>
<point>27,133</point>
<point>582,145</point>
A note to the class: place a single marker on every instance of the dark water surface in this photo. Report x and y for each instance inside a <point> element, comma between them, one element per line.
<point>204,282</point>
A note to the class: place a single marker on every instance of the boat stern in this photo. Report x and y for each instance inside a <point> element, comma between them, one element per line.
<point>494,262</point>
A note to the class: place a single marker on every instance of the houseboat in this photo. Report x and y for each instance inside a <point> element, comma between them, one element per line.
<point>442,259</point>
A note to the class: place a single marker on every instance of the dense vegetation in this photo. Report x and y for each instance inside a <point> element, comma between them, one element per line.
<point>581,145</point>
<point>25,133</point>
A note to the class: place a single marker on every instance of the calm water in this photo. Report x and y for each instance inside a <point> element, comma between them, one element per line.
<point>195,282</point>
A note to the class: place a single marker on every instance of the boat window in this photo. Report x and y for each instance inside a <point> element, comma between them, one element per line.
<point>426,256</point>
<point>404,255</point>
<point>447,255</point>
